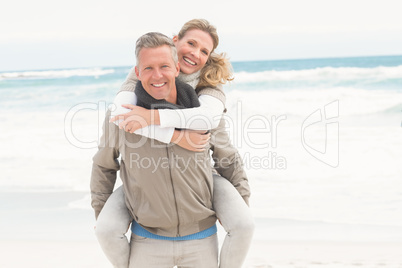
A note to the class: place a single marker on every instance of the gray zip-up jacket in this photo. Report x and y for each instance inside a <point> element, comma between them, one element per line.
<point>168,189</point>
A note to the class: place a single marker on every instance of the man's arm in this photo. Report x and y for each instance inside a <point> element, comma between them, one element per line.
<point>228,162</point>
<point>105,166</point>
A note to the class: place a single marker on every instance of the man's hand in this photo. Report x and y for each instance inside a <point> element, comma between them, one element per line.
<point>192,140</point>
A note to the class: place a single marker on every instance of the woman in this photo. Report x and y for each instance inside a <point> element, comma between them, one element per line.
<point>202,69</point>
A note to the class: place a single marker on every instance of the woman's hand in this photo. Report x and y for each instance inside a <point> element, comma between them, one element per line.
<point>137,118</point>
<point>192,140</point>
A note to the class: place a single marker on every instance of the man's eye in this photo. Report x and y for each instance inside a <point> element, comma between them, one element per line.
<point>190,43</point>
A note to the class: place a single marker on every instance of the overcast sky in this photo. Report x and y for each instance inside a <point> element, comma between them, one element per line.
<point>45,34</point>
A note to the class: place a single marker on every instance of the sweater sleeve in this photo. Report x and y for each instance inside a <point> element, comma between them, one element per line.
<point>205,117</point>
<point>130,82</point>
<point>105,166</point>
<point>227,160</point>
<point>123,97</point>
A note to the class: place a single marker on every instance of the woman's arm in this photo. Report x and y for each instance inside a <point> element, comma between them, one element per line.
<point>192,140</point>
<point>154,132</point>
<point>123,97</point>
<point>205,117</point>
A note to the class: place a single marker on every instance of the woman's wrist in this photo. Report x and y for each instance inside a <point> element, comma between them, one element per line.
<point>175,137</point>
<point>154,118</point>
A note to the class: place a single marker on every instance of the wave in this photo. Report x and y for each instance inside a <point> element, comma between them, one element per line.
<point>376,74</point>
<point>352,101</point>
<point>56,73</point>
<point>394,109</point>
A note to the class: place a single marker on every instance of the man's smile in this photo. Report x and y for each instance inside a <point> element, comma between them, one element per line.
<point>159,85</point>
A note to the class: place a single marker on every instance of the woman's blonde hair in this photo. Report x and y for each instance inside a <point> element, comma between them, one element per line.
<point>217,69</point>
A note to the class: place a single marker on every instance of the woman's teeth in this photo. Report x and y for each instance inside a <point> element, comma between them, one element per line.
<point>189,61</point>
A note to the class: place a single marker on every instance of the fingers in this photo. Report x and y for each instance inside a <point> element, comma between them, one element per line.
<point>129,127</point>
<point>197,149</point>
<point>201,145</point>
<point>125,115</point>
<point>116,117</point>
<point>202,132</point>
<point>198,141</point>
<point>203,139</point>
<point>122,125</point>
<point>120,117</point>
<point>128,106</point>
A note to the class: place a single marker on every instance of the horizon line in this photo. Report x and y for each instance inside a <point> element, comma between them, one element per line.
<point>235,61</point>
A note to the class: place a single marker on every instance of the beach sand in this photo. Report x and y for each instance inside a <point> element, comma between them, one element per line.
<point>55,229</point>
<point>263,254</point>
<point>324,254</point>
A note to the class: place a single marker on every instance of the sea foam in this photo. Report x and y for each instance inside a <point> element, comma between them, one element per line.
<point>56,73</point>
<point>325,73</point>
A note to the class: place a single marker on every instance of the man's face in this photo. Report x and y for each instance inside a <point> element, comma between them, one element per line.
<point>157,72</point>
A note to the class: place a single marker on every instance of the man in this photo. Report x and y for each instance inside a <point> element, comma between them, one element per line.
<point>168,189</point>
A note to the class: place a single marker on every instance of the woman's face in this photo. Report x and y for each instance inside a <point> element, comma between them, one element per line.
<point>193,50</point>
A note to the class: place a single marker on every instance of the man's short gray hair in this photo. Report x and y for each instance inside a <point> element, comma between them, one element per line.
<point>154,40</point>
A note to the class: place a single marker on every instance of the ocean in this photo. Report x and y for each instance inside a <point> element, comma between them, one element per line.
<point>321,141</point>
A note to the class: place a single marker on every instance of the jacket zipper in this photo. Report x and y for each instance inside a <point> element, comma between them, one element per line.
<point>174,194</point>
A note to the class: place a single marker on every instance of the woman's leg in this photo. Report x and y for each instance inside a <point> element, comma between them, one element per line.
<point>112,225</point>
<point>235,216</point>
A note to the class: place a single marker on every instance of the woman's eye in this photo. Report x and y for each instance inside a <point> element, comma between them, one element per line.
<point>190,43</point>
<point>205,52</point>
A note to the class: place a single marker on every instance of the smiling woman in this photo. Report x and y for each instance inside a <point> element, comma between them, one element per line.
<point>193,49</point>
